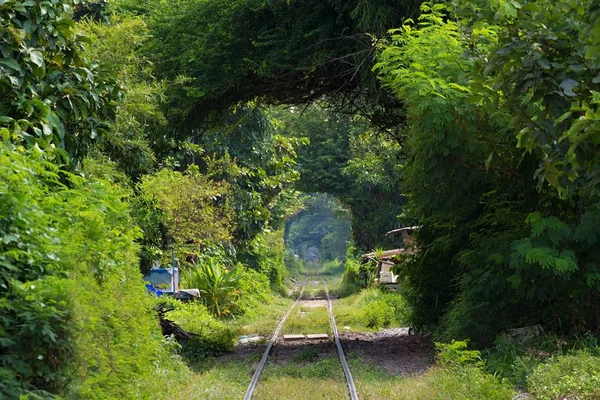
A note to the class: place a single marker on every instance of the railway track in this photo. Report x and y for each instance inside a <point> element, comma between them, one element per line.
<point>340,350</point>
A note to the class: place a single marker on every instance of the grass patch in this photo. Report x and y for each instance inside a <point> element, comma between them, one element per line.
<point>263,319</point>
<point>371,310</point>
<point>458,382</point>
<point>314,289</point>
<point>574,376</point>
<point>517,360</point>
<point>304,320</point>
<point>300,380</point>
<point>215,379</point>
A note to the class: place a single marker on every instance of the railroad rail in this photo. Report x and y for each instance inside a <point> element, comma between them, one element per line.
<point>336,338</point>
<point>263,360</point>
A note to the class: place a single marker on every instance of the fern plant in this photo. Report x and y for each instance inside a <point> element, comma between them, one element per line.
<point>217,285</point>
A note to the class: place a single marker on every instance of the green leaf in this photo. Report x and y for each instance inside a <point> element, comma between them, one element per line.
<point>56,123</point>
<point>11,63</point>
<point>37,58</point>
<point>568,85</point>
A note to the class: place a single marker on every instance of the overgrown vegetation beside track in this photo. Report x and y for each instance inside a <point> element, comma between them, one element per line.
<point>121,139</point>
<point>371,310</point>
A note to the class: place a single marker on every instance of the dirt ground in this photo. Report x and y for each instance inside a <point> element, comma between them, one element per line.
<point>312,303</point>
<point>395,351</point>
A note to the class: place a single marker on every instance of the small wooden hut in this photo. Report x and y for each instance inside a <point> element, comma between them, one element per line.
<point>388,259</point>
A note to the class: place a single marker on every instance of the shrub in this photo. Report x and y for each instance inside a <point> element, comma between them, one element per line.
<point>217,285</point>
<point>456,354</point>
<point>254,290</point>
<point>211,337</point>
<point>74,297</point>
<point>333,268</point>
<point>351,282</point>
<point>372,308</point>
<point>378,314</point>
<point>567,377</point>
<point>457,376</point>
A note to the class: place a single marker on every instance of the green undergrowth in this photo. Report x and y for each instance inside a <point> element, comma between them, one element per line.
<point>467,382</point>
<point>263,318</point>
<point>214,379</point>
<point>302,378</point>
<point>549,366</point>
<point>458,375</point>
<point>574,376</point>
<point>371,310</point>
<point>314,289</point>
<point>75,319</point>
<point>332,268</point>
<point>212,336</point>
<point>305,320</point>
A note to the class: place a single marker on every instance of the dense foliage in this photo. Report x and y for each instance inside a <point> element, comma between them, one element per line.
<point>497,250</point>
<point>72,294</point>
<point>130,126</point>
<point>220,53</point>
<point>348,159</point>
<point>51,94</point>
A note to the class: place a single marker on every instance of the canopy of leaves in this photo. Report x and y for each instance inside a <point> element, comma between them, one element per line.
<point>348,160</point>
<point>220,53</point>
<point>137,135</point>
<point>543,69</point>
<point>49,94</point>
<point>320,231</point>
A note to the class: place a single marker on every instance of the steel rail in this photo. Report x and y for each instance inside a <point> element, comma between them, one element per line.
<point>336,337</point>
<point>263,360</point>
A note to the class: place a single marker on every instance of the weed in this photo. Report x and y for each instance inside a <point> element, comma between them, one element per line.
<point>306,354</point>
<point>574,376</point>
<point>305,320</point>
<point>371,309</point>
<point>322,379</point>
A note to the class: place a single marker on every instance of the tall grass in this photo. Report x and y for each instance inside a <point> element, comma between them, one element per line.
<point>218,286</point>
<point>371,309</point>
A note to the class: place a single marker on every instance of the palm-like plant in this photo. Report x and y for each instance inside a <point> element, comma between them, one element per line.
<point>216,284</point>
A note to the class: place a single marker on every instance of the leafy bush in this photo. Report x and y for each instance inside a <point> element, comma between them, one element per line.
<point>378,314</point>
<point>52,96</point>
<point>458,375</point>
<point>217,285</point>
<point>254,290</point>
<point>333,268</point>
<point>456,354</point>
<point>190,206</point>
<point>372,309</point>
<point>73,296</point>
<point>211,336</point>
<point>574,376</point>
<point>516,360</point>
<point>265,254</point>
<point>351,282</point>
<point>497,252</point>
